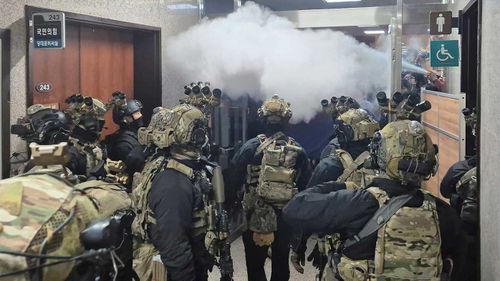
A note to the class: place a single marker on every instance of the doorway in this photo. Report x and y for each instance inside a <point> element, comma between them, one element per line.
<point>469,28</point>
<point>5,100</point>
<point>101,56</point>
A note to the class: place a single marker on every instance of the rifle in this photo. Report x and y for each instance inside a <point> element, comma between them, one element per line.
<point>223,245</point>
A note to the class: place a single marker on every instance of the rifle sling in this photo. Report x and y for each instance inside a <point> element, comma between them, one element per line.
<point>381,217</point>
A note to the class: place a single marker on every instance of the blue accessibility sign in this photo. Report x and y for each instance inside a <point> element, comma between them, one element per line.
<point>444,53</point>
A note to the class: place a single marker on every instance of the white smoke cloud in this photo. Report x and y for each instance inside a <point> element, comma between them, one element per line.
<point>252,51</point>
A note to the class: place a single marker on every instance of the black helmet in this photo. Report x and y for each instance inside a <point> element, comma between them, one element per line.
<point>45,126</point>
<point>120,114</point>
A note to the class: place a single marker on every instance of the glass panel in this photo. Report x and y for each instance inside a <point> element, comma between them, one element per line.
<point>416,38</point>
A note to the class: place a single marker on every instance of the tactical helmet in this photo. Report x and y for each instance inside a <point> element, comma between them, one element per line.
<point>122,116</point>
<point>275,110</point>
<point>404,151</point>
<point>355,125</point>
<point>43,125</point>
<point>87,114</point>
<point>184,125</point>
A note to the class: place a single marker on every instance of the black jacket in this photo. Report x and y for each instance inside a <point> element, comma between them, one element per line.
<point>453,175</point>
<point>246,156</point>
<point>330,167</point>
<point>330,208</point>
<point>173,197</point>
<point>123,145</point>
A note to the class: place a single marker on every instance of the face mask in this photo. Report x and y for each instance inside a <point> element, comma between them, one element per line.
<point>136,124</point>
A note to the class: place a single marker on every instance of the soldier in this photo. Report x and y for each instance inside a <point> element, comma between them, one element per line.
<point>353,129</point>
<point>392,229</point>
<point>123,144</point>
<point>336,107</point>
<point>87,115</point>
<point>44,219</point>
<point>43,125</point>
<point>274,166</point>
<point>460,186</point>
<point>173,197</point>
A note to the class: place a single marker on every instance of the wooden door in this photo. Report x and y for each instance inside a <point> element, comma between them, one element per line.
<point>58,68</point>
<point>96,62</point>
<point>106,65</point>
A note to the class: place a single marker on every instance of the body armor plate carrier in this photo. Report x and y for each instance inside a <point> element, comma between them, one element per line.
<point>274,179</point>
<point>408,246</point>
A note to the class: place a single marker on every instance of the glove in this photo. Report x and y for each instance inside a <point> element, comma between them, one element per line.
<point>298,260</point>
<point>317,258</point>
<point>263,239</point>
<point>349,185</point>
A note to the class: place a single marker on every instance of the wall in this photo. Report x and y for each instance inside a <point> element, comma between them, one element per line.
<point>146,12</point>
<point>489,146</point>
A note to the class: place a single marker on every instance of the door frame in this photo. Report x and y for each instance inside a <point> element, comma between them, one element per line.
<point>154,93</point>
<point>5,90</point>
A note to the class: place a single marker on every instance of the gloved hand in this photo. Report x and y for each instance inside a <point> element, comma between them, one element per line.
<point>318,259</point>
<point>263,239</point>
<point>298,260</point>
<point>349,185</point>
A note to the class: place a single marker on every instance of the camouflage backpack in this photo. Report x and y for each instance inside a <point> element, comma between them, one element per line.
<point>43,213</point>
<point>354,170</point>
<point>275,177</point>
<point>408,246</point>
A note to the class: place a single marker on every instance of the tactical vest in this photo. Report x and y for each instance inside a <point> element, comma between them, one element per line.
<point>353,169</point>
<point>408,246</point>
<point>274,179</point>
<point>92,151</point>
<point>467,189</point>
<point>140,194</point>
<point>144,253</point>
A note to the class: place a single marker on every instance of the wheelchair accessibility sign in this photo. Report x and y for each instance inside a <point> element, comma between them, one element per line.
<point>444,53</point>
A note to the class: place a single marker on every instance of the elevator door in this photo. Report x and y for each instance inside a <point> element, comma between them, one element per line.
<point>96,62</point>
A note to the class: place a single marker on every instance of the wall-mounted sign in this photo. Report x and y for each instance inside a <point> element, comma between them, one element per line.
<point>43,87</point>
<point>440,23</point>
<point>444,53</point>
<point>49,30</point>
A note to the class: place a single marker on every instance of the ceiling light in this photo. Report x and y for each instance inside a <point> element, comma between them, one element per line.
<point>182,6</point>
<point>374,32</point>
<point>340,1</point>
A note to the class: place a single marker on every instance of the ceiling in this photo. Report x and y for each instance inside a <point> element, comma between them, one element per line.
<point>287,5</point>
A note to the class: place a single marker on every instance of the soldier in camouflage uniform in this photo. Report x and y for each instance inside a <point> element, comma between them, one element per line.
<point>87,115</point>
<point>172,195</point>
<point>391,230</point>
<point>272,166</point>
<point>43,214</point>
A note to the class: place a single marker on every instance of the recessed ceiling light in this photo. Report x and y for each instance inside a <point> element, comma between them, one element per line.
<point>374,32</point>
<point>181,6</point>
<point>340,1</point>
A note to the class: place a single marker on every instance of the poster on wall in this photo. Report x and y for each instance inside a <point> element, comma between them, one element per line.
<point>49,30</point>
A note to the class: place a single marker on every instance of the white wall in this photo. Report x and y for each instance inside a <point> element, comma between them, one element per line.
<point>489,144</point>
<point>146,12</point>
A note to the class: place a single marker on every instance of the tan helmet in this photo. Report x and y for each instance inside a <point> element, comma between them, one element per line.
<point>355,125</point>
<point>184,125</point>
<point>404,151</point>
<point>275,110</point>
